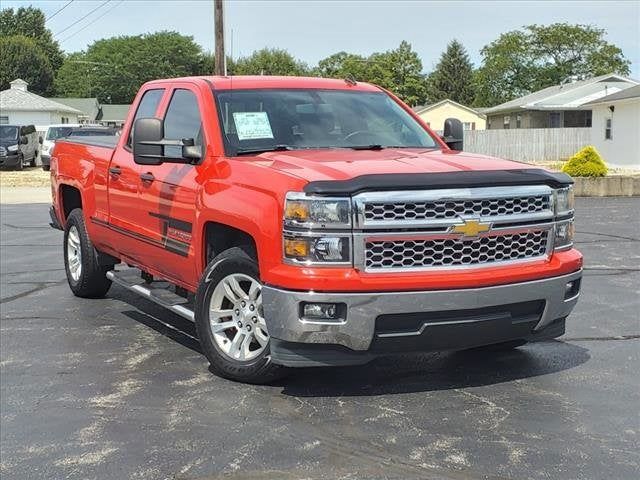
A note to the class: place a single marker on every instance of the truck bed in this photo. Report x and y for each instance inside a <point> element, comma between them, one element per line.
<point>105,141</point>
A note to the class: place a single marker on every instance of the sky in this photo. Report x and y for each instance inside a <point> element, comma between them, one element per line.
<point>312,30</point>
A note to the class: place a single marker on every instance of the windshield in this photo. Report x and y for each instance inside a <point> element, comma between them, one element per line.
<point>302,119</point>
<point>55,133</point>
<point>8,133</point>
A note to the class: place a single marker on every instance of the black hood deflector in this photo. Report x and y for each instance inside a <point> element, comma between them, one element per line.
<point>429,181</point>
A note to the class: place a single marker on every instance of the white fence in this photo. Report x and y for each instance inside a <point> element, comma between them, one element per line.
<point>528,144</point>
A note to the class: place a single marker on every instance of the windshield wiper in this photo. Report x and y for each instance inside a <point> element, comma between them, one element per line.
<point>274,148</point>
<point>375,146</point>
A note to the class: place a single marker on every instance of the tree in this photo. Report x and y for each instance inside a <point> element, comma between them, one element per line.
<point>397,70</point>
<point>521,62</point>
<point>30,22</point>
<point>113,69</point>
<point>453,77</point>
<point>268,61</point>
<point>21,57</point>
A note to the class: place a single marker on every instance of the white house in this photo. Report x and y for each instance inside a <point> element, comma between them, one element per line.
<point>557,106</point>
<point>21,107</point>
<point>615,130</point>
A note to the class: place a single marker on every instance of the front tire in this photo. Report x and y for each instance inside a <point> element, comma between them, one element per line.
<point>20,164</point>
<point>230,322</point>
<point>86,277</point>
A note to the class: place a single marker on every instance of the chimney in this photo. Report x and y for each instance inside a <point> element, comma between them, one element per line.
<point>19,84</point>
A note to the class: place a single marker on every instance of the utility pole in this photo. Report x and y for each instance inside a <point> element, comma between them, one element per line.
<point>220,60</point>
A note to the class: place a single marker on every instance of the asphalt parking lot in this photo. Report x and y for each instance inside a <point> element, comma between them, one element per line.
<point>103,389</point>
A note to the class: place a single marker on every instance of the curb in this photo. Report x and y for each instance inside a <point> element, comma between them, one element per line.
<point>617,186</point>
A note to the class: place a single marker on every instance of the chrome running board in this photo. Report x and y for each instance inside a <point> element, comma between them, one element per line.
<point>161,295</point>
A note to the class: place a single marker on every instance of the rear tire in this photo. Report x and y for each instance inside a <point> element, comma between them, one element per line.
<point>238,349</point>
<point>86,277</point>
<point>46,168</point>
<point>34,161</point>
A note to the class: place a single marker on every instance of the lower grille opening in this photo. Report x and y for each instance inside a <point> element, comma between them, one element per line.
<point>456,329</point>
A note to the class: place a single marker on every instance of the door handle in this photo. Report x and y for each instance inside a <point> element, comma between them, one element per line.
<point>147,177</point>
<point>115,171</point>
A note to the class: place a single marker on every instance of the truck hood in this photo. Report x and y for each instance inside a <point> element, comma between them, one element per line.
<point>343,164</point>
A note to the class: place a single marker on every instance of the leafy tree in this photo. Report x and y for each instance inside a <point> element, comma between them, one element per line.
<point>30,22</point>
<point>453,77</point>
<point>268,61</point>
<point>21,57</point>
<point>520,62</point>
<point>397,70</point>
<point>113,69</point>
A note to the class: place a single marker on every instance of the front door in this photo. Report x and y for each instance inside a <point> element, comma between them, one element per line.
<point>168,192</point>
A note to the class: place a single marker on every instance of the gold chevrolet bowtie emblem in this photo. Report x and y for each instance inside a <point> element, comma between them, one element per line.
<point>471,228</point>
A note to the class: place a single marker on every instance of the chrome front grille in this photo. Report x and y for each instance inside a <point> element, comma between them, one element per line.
<point>452,228</point>
<point>453,252</point>
<point>444,209</point>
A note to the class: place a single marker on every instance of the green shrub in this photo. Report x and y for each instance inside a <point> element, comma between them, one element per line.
<point>586,163</point>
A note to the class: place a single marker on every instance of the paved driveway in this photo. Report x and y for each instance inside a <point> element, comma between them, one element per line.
<point>116,388</point>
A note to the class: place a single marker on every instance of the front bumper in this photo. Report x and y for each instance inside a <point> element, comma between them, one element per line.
<point>10,160</point>
<point>427,320</point>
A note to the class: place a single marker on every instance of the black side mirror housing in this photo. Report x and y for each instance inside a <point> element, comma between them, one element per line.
<point>453,134</point>
<point>24,141</point>
<point>40,140</point>
<point>146,138</point>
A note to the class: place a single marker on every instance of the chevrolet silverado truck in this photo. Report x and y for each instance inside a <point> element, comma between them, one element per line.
<point>314,222</point>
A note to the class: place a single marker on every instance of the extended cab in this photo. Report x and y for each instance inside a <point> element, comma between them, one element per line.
<point>308,221</point>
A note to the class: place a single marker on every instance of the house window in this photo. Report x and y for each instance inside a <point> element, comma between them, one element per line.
<point>505,121</point>
<point>518,121</point>
<point>608,129</point>
<point>554,120</point>
<point>64,119</point>
<point>469,125</point>
<point>4,120</point>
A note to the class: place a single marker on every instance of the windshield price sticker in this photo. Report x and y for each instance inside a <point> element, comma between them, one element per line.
<point>252,125</point>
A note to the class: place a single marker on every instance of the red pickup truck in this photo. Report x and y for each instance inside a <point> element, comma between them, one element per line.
<point>309,222</point>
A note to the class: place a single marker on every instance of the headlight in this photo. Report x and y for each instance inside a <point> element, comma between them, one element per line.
<point>320,249</point>
<point>13,148</point>
<point>318,212</point>
<point>564,235</point>
<point>564,201</point>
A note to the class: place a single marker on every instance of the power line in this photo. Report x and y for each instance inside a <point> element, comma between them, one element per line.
<point>80,19</point>
<point>58,11</point>
<point>91,22</point>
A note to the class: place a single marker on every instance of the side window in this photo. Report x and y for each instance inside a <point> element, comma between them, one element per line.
<point>182,120</point>
<point>147,106</point>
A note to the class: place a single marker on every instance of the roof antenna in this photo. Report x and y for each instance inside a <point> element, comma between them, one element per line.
<point>350,80</point>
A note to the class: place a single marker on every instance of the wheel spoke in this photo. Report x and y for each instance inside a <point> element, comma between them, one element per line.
<point>215,314</point>
<point>254,290</point>
<point>236,343</point>
<point>261,337</point>
<point>244,348</point>
<point>222,326</point>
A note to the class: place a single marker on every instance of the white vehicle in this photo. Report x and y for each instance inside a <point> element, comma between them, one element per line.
<point>53,133</point>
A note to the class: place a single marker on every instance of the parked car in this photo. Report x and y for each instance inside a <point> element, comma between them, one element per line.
<point>93,131</point>
<point>307,221</point>
<point>19,145</point>
<point>53,133</point>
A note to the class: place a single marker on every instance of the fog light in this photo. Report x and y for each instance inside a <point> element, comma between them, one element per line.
<point>320,311</point>
<point>571,289</point>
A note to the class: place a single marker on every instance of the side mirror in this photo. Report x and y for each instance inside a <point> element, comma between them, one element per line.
<point>40,140</point>
<point>191,151</point>
<point>24,141</point>
<point>453,133</point>
<point>147,137</point>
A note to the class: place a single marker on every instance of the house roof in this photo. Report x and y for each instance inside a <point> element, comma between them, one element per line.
<point>22,100</point>
<point>627,93</point>
<point>89,106</point>
<point>114,112</point>
<point>552,97</point>
<point>426,108</point>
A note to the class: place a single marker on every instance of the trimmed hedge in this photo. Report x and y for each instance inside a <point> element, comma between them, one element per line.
<point>586,163</point>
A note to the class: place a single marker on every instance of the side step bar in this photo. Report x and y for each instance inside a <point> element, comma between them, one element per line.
<point>161,296</point>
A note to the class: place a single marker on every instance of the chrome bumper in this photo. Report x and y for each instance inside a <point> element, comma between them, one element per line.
<point>356,331</point>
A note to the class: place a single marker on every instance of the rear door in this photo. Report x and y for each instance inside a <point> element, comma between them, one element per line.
<point>168,192</point>
<point>123,180</point>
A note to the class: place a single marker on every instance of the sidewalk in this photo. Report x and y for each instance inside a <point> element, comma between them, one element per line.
<point>15,195</point>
